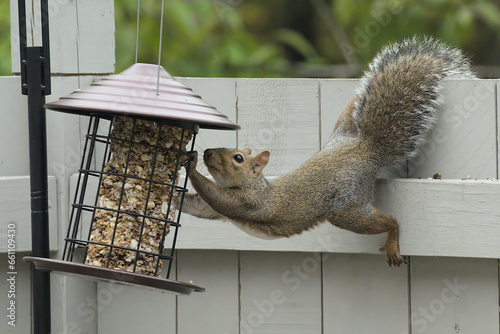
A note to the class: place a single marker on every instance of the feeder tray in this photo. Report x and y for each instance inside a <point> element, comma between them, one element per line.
<point>140,123</point>
<point>112,275</point>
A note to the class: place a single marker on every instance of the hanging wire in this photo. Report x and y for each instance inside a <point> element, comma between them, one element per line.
<point>159,52</point>
<point>160,42</point>
<point>137,33</point>
<point>32,23</point>
<point>78,44</point>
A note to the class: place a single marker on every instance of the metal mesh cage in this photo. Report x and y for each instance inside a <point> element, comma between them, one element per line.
<point>126,210</point>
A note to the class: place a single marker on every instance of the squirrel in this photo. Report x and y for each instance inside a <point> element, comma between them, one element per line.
<point>384,125</point>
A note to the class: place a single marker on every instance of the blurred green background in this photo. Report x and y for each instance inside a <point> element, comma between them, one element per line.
<point>290,38</point>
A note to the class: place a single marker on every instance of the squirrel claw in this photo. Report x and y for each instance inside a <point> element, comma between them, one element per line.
<point>393,262</point>
<point>396,260</point>
<point>394,257</point>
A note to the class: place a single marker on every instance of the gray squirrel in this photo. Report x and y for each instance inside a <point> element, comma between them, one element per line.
<point>384,125</point>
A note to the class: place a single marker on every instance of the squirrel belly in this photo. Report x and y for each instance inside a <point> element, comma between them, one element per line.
<point>386,123</point>
<point>196,206</point>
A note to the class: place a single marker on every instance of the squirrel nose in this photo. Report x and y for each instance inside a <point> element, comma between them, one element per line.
<point>208,153</point>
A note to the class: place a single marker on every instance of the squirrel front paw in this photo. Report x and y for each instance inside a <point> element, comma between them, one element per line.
<point>191,162</point>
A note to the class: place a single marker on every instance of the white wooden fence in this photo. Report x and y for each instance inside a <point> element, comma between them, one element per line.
<point>324,281</point>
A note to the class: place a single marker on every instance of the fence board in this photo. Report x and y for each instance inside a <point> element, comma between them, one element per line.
<point>62,36</point>
<point>216,309</point>
<point>96,36</point>
<point>14,157</point>
<point>497,88</point>
<point>464,140</point>
<point>22,296</point>
<point>281,116</point>
<point>461,216</point>
<point>130,309</point>
<point>335,96</point>
<point>221,94</point>
<point>453,295</point>
<point>15,207</point>
<point>64,131</point>
<point>280,293</point>
<point>73,306</point>
<point>362,294</point>
<point>90,23</point>
<point>455,212</point>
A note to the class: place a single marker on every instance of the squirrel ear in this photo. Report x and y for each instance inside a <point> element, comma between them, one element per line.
<point>247,150</point>
<point>260,161</point>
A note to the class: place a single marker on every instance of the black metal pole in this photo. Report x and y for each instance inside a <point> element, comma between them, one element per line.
<point>21,8</point>
<point>35,75</point>
<point>40,280</point>
<point>45,51</point>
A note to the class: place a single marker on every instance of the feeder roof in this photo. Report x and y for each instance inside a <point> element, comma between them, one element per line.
<point>133,92</point>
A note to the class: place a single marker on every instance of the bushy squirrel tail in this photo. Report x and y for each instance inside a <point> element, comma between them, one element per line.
<point>401,93</point>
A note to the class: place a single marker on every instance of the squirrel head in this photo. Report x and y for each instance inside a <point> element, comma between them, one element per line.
<point>234,168</point>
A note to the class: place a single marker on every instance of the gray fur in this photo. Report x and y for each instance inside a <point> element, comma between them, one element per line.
<point>411,74</point>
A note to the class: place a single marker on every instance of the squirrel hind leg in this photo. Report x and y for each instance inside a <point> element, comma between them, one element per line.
<point>369,220</point>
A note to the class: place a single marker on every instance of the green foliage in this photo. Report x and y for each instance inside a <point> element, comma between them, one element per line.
<point>262,38</point>
<point>371,24</point>
<point>200,38</point>
<point>5,66</point>
<point>299,43</point>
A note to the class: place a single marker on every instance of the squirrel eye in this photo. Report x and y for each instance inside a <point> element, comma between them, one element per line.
<point>238,158</point>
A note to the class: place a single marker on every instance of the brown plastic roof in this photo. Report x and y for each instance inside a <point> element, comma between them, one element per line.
<point>134,92</point>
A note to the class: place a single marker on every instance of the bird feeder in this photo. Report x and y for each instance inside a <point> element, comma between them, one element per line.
<point>126,211</point>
